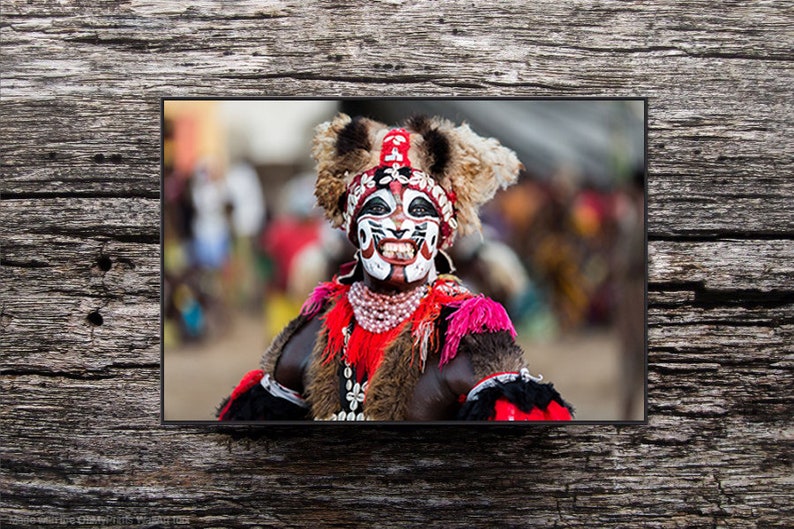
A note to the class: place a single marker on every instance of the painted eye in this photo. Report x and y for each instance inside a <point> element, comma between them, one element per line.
<point>421,207</point>
<point>376,206</point>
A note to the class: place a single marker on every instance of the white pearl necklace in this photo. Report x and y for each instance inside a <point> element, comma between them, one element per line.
<point>379,313</point>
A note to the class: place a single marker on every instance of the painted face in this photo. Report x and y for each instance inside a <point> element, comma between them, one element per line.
<point>398,234</point>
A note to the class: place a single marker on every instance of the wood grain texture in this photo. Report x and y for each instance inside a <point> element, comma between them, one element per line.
<point>80,432</point>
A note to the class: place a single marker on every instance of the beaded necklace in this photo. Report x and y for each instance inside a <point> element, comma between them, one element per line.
<point>379,313</point>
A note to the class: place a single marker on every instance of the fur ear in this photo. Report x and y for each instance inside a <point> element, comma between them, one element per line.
<point>478,168</point>
<point>435,147</point>
<point>354,137</point>
<point>342,147</point>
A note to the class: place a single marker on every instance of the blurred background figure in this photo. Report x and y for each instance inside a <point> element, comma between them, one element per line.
<point>630,273</point>
<point>245,207</point>
<point>563,250</point>
<point>489,266</point>
<point>303,248</point>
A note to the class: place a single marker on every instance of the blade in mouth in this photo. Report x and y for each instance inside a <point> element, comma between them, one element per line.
<point>397,250</point>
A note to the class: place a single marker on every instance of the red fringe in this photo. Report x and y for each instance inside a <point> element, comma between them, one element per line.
<point>423,321</point>
<point>336,321</point>
<point>365,349</point>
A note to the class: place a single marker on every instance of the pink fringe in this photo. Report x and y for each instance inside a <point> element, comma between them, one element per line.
<point>474,315</point>
<point>315,301</point>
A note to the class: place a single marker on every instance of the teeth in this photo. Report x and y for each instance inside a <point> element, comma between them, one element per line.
<point>397,250</point>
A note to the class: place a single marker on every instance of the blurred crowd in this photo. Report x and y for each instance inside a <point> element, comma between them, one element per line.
<point>224,252</point>
<point>556,255</point>
<point>576,244</point>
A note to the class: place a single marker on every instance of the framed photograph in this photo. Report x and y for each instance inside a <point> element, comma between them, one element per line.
<point>403,260</point>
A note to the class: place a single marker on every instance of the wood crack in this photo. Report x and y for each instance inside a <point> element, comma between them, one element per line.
<point>744,298</point>
<point>24,264</point>
<point>141,238</point>
<point>101,374</point>
<point>706,298</point>
<point>716,236</point>
<point>56,374</point>
<point>24,195</point>
<point>687,53</point>
<point>771,323</point>
<point>404,79</point>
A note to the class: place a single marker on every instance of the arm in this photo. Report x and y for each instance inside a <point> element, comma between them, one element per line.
<point>485,381</point>
<point>436,396</point>
<point>277,395</point>
<point>291,365</point>
<point>505,391</point>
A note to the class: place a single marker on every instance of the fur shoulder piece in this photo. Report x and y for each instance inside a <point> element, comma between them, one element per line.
<point>477,314</point>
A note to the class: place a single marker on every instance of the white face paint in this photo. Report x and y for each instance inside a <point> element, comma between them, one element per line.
<point>398,233</point>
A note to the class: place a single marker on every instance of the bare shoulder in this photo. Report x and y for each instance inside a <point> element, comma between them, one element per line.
<point>291,365</point>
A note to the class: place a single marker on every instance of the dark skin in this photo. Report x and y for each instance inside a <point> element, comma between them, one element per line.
<point>436,394</point>
<point>293,363</point>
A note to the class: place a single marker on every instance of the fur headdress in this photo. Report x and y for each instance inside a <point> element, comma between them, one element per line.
<point>458,168</point>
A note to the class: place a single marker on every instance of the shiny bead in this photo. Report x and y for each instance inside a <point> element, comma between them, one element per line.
<point>382,312</point>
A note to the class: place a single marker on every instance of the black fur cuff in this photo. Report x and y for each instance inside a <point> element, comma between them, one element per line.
<point>258,404</point>
<point>526,394</point>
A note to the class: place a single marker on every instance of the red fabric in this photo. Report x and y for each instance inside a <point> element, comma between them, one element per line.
<point>251,379</point>
<point>504,410</point>
<point>556,412</point>
<point>507,411</point>
<point>400,143</point>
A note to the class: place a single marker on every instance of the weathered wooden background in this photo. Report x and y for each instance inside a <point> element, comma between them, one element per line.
<point>81,440</point>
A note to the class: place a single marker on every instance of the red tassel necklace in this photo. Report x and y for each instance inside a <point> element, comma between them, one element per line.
<point>379,319</point>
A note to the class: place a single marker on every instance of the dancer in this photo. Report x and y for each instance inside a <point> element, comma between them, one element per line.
<point>394,336</point>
